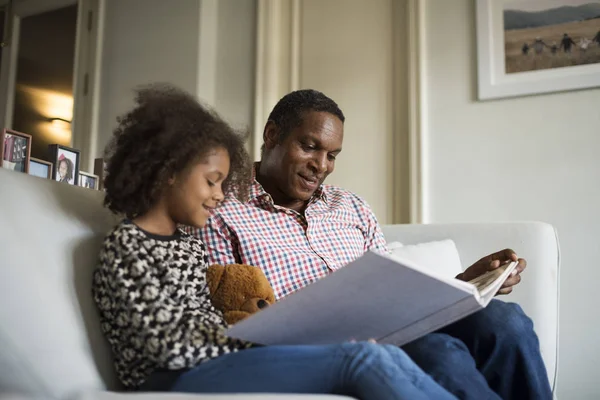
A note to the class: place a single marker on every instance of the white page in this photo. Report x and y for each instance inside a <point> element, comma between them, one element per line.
<point>489,292</point>
<point>450,281</point>
<point>372,297</point>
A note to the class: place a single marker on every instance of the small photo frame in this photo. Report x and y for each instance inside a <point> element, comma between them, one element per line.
<point>99,170</point>
<point>66,164</point>
<point>89,181</point>
<point>40,168</point>
<point>15,150</point>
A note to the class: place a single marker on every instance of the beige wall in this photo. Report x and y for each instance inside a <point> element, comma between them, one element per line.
<point>147,41</point>
<point>529,158</point>
<point>208,47</point>
<point>347,51</point>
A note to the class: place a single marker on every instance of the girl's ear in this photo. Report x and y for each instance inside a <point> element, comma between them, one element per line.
<point>171,181</point>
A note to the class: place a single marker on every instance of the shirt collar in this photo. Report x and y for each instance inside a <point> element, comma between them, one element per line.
<point>257,190</point>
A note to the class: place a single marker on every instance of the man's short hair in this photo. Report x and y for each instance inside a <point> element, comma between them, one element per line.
<point>288,112</point>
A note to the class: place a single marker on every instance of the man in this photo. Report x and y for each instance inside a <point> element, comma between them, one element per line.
<point>566,43</point>
<point>298,230</point>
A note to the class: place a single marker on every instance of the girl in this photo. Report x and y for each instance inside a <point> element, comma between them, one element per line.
<point>169,163</point>
<point>65,170</point>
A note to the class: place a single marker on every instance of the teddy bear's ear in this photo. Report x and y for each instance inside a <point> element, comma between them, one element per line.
<point>213,277</point>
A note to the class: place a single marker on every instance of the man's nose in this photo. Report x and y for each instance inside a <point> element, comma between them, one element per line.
<point>320,163</point>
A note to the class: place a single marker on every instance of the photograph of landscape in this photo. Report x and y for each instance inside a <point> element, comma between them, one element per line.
<point>547,34</point>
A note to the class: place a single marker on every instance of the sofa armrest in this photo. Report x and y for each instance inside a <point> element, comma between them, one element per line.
<point>537,242</point>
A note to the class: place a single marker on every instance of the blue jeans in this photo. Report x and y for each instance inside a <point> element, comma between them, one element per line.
<point>492,354</point>
<point>362,370</point>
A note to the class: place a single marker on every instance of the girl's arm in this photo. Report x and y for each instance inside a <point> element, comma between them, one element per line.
<point>132,300</point>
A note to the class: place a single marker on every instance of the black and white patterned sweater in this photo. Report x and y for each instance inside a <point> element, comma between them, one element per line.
<point>154,307</point>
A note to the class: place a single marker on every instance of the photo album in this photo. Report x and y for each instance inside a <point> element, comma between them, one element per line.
<point>375,297</point>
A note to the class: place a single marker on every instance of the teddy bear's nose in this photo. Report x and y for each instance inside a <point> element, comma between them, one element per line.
<point>262,304</point>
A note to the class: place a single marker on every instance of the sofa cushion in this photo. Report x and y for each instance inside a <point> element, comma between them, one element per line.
<point>52,345</point>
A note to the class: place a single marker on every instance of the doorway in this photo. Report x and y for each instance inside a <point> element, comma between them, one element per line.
<point>44,69</point>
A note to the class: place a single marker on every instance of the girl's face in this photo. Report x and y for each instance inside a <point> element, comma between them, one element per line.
<point>197,191</point>
<point>63,168</point>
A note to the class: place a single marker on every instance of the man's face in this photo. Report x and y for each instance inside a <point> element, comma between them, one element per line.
<point>300,164</point>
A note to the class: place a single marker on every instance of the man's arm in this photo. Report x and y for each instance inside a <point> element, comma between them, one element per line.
<point>374,239</point>
<point>219,240</point>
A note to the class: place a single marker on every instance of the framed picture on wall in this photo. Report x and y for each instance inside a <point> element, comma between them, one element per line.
<point>527,47</point>
<point>15,149</point>
<point>40,168</point>
<point>89,181</point>
<point>66,164</point>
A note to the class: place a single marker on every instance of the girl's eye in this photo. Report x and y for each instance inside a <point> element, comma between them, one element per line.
<point>210,183</point>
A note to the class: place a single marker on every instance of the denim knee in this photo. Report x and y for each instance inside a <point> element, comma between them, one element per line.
<point>361,350</point>
<point>438,349</point>
<point>357,357</point>
<point>507,321</point>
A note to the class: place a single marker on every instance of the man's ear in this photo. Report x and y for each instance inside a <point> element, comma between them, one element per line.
<point>271,135</point>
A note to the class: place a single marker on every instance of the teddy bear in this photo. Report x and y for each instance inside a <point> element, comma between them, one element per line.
<point>238,290</point>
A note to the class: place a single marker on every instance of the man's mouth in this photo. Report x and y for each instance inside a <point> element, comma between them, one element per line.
<point>310,182</point>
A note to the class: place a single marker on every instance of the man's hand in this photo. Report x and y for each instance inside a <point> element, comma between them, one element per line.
<point>492,262</point>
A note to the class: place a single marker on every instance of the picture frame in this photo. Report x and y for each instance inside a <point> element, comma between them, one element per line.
<point>40,168</point>
<point>99,170</point>
<point>89,181</point>
<point>15,150</point>
<point>65,162</point>
<point>520,53</point>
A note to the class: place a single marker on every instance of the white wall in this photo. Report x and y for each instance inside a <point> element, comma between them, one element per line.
<point>149,41</point>
<point>531,158</point>
<point>346,52</point>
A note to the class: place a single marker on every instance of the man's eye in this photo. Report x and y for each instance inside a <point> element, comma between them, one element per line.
<point>332,157</point>
<point>308,147</point>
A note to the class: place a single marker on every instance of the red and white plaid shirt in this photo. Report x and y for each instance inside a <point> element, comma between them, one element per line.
<point>292,249</point>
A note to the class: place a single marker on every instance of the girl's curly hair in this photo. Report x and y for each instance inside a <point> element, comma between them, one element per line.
<point>166,131</point>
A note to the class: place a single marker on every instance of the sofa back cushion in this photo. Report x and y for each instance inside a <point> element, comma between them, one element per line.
<point>50,236</point>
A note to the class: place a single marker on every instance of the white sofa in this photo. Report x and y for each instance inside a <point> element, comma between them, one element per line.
<point>51,345</point>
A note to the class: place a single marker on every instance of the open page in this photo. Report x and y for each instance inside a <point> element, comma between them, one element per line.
<point>489,283</point>
<point>372,297</point>
<point>462,285</point>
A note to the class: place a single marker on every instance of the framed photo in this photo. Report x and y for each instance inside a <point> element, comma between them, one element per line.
<point>40,168</point>
<point>15,149</point>
<point>66,164</point>
<point>99,170</point>
<point>527,47</point>
<point>89,181</point>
